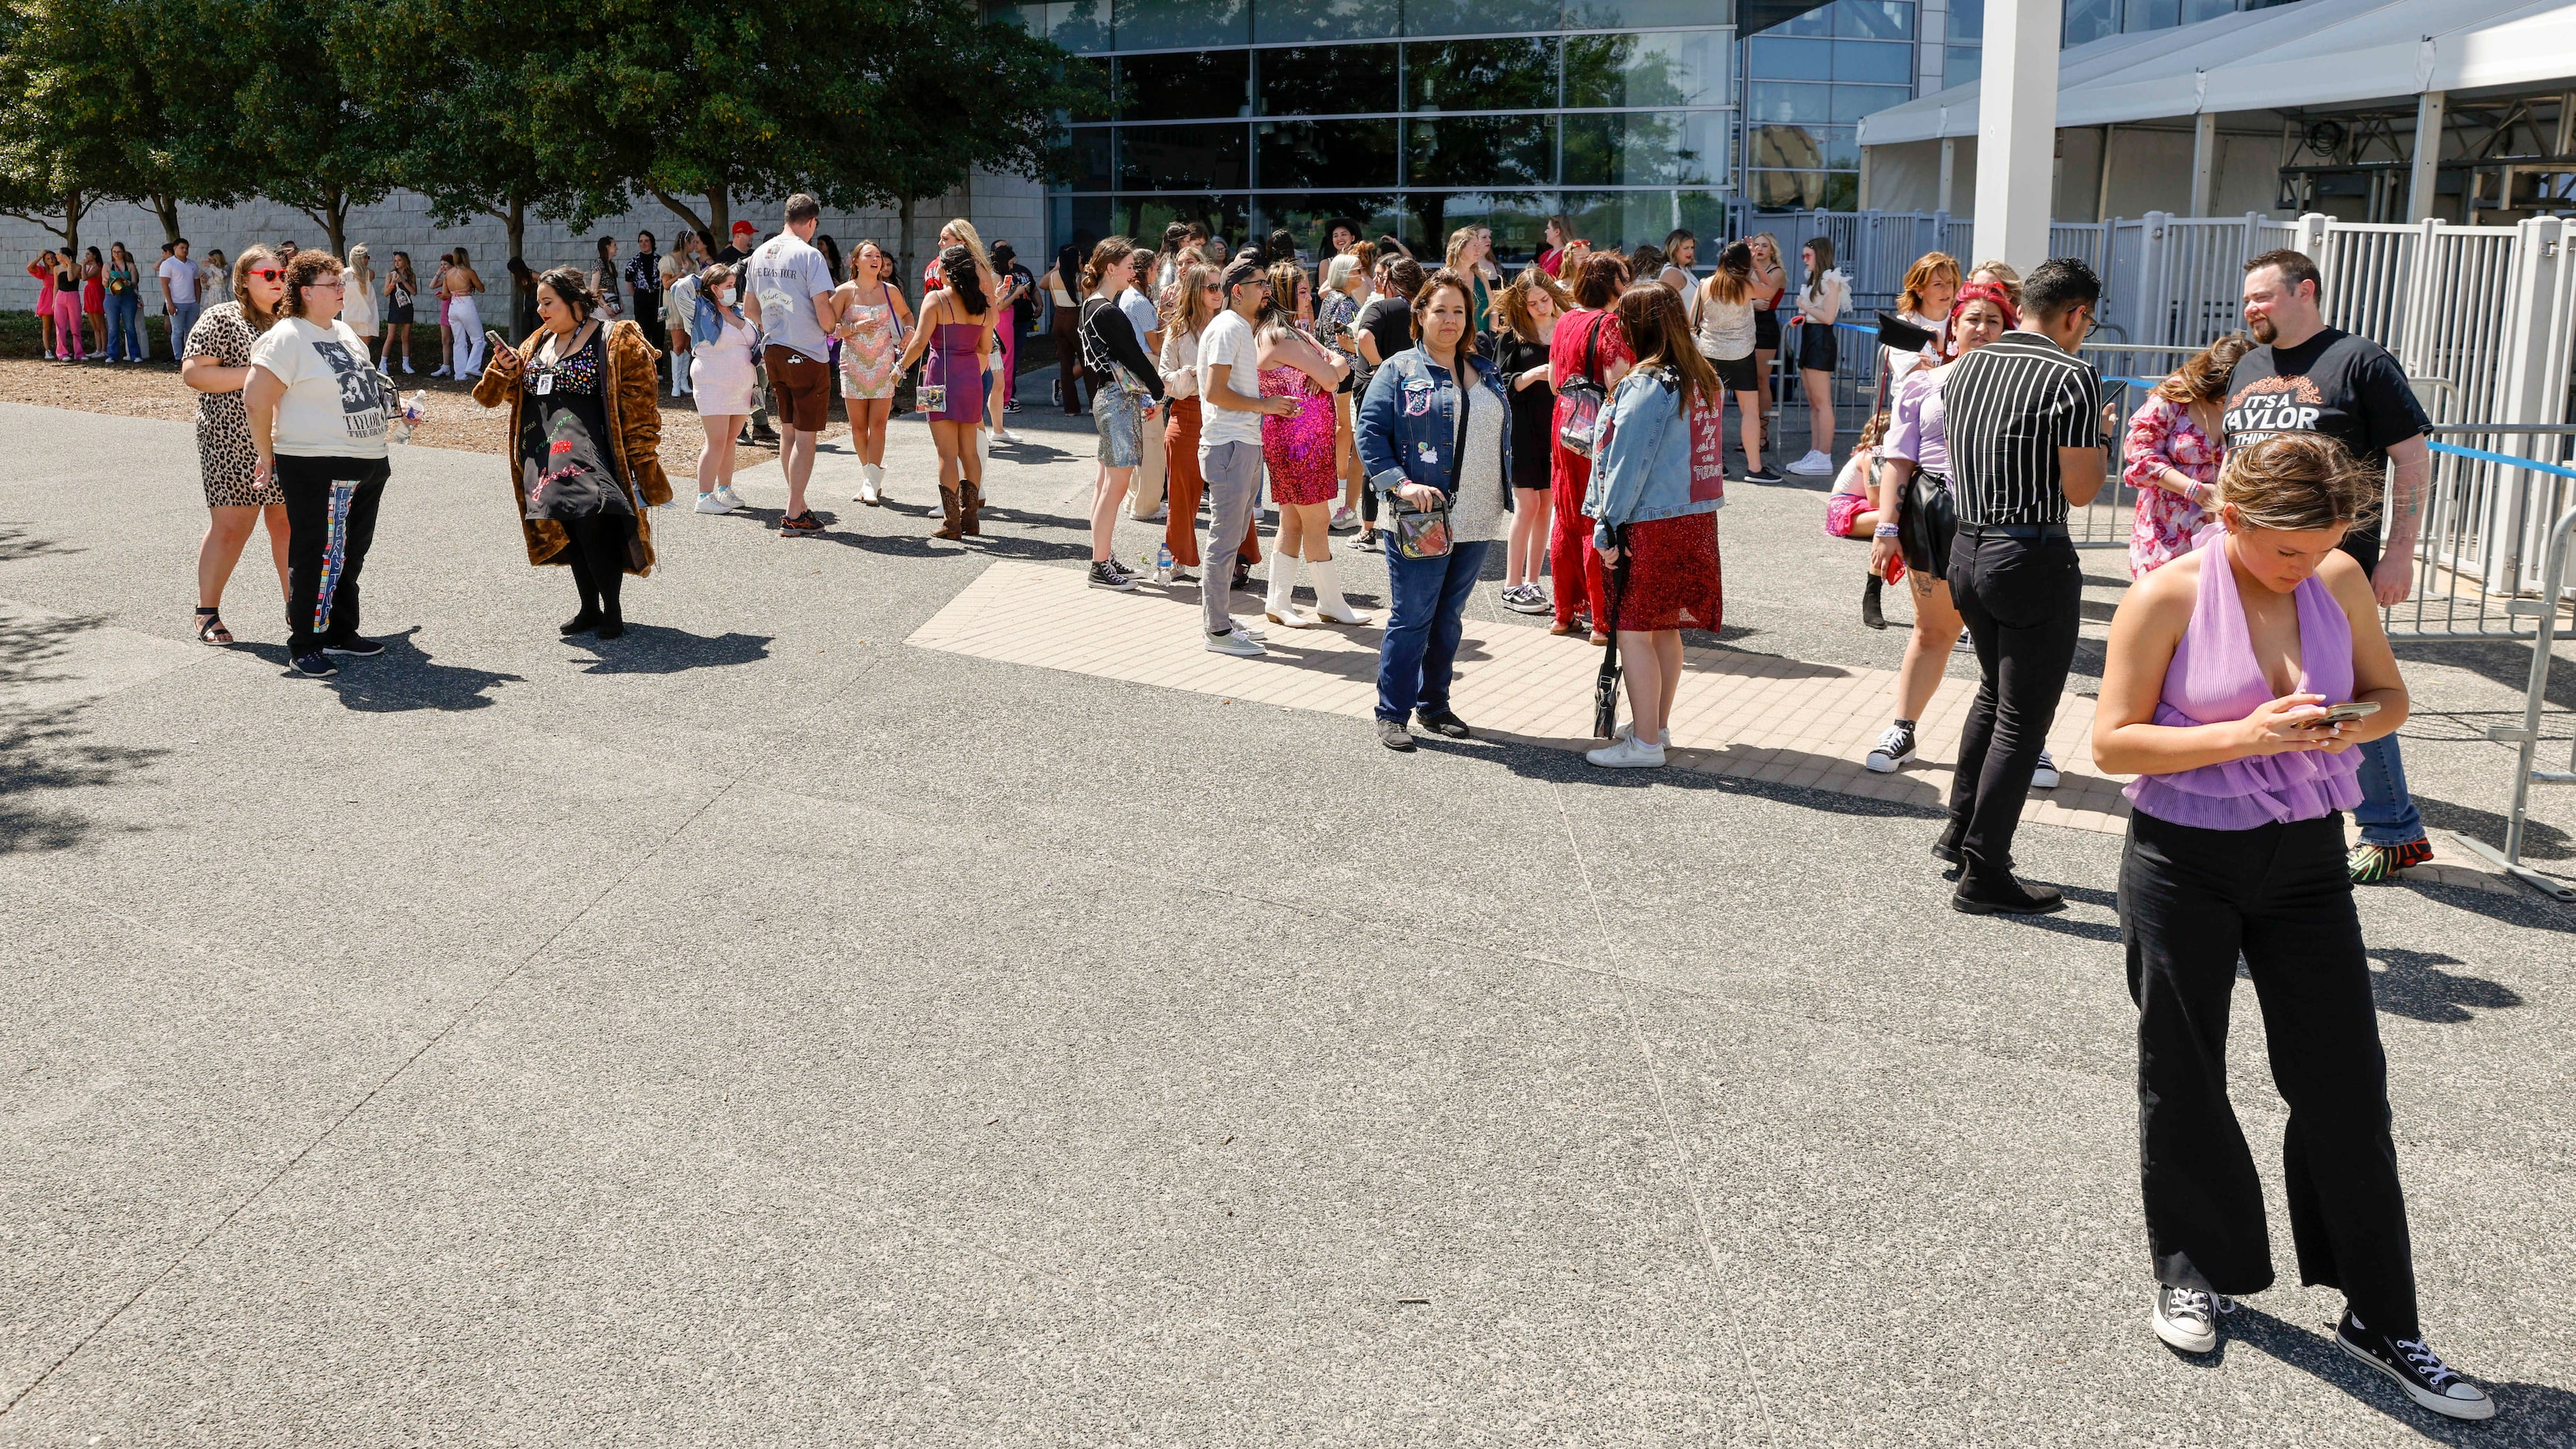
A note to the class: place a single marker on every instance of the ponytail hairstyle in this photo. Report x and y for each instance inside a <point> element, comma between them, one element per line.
<point>1659,332</point>
<point>2296,483</point>
<point>957,268</point>
<point>1110,252</point>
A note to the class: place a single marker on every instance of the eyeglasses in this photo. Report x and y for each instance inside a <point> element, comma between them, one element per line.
<point>335,283</point>
<point>265,274</point>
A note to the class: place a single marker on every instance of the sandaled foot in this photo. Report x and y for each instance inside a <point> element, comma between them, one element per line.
<point>210,628</point>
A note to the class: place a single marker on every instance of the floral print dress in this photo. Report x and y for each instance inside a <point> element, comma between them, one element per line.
<point>2162,435</point>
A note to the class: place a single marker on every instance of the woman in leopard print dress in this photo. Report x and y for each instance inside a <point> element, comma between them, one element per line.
<point>216,362</point>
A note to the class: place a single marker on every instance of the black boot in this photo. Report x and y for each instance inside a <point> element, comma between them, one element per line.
<point>1869,610</point>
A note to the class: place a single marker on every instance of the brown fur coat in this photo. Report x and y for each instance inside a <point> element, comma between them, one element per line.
<point>634,439</point>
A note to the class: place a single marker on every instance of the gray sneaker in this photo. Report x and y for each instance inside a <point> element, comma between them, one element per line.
<point>2186,1319</point>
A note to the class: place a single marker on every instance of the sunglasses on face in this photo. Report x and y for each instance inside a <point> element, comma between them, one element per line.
<point>266,274</point>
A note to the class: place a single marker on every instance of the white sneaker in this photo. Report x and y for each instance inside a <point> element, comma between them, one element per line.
<point>713,503</point>
<point>726,493</point>
<point>1157,516</point>
<point>1235,642</point>
<point>2044,777</point>
<point>1814,464</point>
<point>2186,1319</point>
<point>1249,631</point>
<point>1005,435</point>
<point>1343,520</point>
<point>1626,753</point>
<point>1895,750</point>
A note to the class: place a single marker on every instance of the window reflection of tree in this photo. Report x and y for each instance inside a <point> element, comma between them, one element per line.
<point>1788,167</point>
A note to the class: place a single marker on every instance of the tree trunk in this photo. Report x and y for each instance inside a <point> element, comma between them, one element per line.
<point>336,220</point>
<point>518,223</point>
<point>688,217</point>
<point>166,207</point>
<point>720,214</point>
<point>903,243</point>
<point>74,207</point>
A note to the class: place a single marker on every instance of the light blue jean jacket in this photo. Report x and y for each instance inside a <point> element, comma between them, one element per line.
<point>1408,421</point>
<point>1644,472</point>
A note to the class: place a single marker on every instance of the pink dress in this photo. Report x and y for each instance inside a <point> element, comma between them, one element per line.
<point>1299,447</point>
<point>2162,435</point>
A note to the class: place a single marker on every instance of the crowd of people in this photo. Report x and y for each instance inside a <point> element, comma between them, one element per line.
<point>1575,410</point>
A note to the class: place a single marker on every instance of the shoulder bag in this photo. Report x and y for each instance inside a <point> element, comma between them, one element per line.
<point>1582,398</point>
<point>1425,532</point>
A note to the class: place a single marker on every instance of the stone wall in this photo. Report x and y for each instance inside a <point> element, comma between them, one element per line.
<point>1002,208</point>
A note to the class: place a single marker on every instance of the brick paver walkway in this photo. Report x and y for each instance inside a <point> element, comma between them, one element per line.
<point>1761,717</point>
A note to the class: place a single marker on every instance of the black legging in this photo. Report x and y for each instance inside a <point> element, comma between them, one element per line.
<point>597,554</point>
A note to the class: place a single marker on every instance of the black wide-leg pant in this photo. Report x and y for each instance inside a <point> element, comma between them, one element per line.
<point>2192,900</point>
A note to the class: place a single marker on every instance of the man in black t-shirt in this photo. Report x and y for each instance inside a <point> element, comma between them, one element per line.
<point>2307,377</point>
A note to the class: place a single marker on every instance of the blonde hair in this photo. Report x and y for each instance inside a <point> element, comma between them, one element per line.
<point>362,264</point>
<point>1871,432</point>
<point>2296,483</point>
<point>973,239</point>
<point>2004,270</point>
<point>1458,241</point>
<point>1926,270</point>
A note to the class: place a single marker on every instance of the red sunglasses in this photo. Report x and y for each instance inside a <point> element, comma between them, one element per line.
<point>267,274</point>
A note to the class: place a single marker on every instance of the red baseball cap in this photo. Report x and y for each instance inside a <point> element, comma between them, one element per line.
<point>742,226</point>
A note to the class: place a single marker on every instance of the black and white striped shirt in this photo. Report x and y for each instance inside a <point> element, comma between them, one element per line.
<point>2011,405</point>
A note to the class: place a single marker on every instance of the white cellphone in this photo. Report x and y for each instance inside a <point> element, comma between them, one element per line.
<point>2352,710</point>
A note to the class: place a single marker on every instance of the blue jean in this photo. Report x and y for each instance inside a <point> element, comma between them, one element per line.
<point>1420,651</point>
<point>2387,811</point>
<point>124,326</point>
<point>183,320</point>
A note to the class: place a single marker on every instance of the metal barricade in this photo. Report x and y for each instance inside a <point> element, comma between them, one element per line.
<point>2479,554</point>
<point>2128,370</point>
<point>2525,736</point>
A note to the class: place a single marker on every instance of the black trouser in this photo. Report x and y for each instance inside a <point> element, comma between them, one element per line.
<point>2190,901</point>
<point>308,484</point>
<point>597,553</point>
<point>648,315</point>
<point>2022,596</point>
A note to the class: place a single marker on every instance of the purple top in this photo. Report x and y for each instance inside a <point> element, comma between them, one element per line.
<point>2214,678</point>
<point>1920,429</point>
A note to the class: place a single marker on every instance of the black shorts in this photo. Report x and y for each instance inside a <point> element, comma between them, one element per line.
<point>1766,330</point>
<point>398,316</point>
<point>1738,374</point>
<point>1816,349</point>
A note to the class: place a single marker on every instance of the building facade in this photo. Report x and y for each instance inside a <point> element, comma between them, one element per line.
<point>1414,117</point>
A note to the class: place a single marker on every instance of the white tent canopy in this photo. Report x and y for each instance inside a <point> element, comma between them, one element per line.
<point>2316,53</point>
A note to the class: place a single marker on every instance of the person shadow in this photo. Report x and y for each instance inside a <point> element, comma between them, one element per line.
<point>405,677</point>
<point>2412,984</point>
<point>2526,1413</point>
<point>661,649</point>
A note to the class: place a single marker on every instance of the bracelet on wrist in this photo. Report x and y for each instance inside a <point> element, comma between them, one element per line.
<point>1887,530</point>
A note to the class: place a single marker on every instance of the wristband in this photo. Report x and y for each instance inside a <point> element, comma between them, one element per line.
<point>1887,530</point>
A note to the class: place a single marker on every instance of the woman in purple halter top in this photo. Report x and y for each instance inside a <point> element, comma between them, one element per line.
<point>2216,692</point>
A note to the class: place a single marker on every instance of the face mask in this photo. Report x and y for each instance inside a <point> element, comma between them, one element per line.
<point>725,295</point>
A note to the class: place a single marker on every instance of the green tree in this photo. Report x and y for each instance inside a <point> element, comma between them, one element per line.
<point>316,145</point>
<point>69,120</point>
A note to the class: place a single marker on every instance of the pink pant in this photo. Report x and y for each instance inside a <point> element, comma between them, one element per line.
<point>67,326</point>
<point>1009,334</point>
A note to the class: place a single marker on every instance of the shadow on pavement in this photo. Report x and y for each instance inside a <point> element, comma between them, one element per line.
<point>2413,985</point>
<point>43,750</point>
<point>403,678</point>
<point>16,542</point>
<point>661,649</point>
<point>2535,1414</point>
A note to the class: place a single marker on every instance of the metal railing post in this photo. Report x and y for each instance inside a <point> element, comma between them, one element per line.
<point>2525,737</point>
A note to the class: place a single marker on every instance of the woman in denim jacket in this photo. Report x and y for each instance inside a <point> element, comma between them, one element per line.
<point>1418,456</point>
<point>1657,484</point>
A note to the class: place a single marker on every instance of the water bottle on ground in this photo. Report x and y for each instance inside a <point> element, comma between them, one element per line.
<point>1162,563</point>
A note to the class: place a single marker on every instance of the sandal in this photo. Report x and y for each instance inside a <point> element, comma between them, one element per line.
<point>210,628</point>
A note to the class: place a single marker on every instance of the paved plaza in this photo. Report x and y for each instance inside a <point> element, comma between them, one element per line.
<point>897,995</point>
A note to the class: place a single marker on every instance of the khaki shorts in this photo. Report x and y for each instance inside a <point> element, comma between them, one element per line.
<point>800,389</point>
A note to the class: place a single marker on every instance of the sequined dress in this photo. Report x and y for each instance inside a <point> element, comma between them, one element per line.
<point>1299,447</point>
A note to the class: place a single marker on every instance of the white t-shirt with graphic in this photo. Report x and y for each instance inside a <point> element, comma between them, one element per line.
<point>335,402</point>
<point>787,275</point>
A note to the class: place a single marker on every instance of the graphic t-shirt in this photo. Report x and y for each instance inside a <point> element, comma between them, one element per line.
<point>335,402</point>
<point>2343,386</point>
<point>1228,340</point>
<point>786,276</point>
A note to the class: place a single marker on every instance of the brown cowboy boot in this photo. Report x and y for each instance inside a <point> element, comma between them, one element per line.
<point>948,511</point>
<point>972,512</point>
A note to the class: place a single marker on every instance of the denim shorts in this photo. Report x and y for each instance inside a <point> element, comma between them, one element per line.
<point>1120,414</point>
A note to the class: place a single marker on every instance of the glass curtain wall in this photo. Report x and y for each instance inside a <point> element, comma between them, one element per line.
<point>1409,117</point>
<point>1807,82</point>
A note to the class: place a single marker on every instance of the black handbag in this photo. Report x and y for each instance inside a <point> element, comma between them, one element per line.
<point>1927,519</point>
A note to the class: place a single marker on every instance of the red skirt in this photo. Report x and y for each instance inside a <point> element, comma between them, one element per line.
<point>1673,580</point>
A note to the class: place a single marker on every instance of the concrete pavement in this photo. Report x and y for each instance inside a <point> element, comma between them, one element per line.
<point>756,1030</point>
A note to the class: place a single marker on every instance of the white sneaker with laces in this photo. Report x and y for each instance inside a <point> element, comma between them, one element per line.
<point>713,503</point>
<point>1005,435</point>
<point>1627,752</point>
<point>1252,632</point>
<point>2044,776</point>
<point>726,493</point>
<point>1236,642</point>
<point>1895,751</point>
<point>1815,464</point>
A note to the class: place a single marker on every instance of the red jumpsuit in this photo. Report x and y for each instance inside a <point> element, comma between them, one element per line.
<point>1573,562</point>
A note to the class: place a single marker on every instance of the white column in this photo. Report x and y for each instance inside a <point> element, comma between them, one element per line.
<point>1862,204</point>
<point>2017,130</point>
<point>2102,180</point>
<point>2204,161</point>
<point>1949,172</point>
<point>2428,155</point>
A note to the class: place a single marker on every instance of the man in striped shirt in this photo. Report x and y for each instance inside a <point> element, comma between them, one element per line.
<point>2025,431</point>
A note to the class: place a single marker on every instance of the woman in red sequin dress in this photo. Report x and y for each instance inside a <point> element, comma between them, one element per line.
<point>1299,453</point>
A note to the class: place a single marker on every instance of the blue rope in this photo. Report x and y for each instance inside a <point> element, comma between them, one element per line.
<point>2483,456</point>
